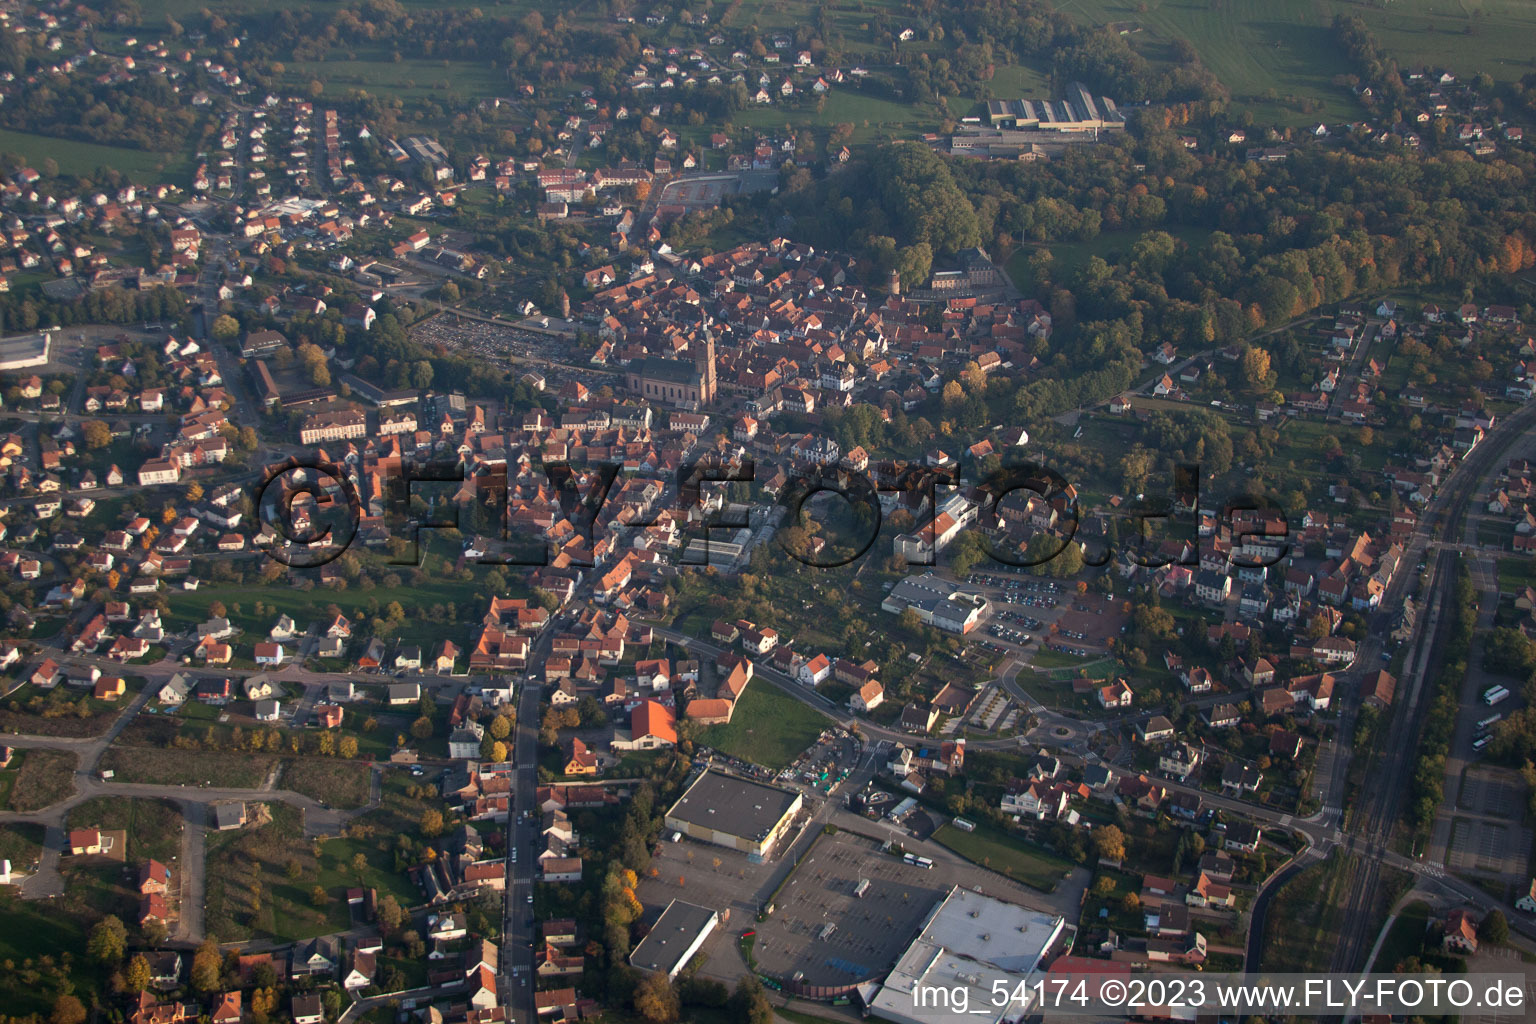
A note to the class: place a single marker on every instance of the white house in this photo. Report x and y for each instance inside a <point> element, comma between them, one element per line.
<point>813,672</point>
<point>270,654</point>
<point>1527,902</point>
<point>869,696</point>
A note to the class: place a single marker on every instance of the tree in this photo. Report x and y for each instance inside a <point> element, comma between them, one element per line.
<point>67,1009</point>
<point>207,966</point>
<point>347,747</point>
<point>422,728</point>
<point>96,434</point>
<point>1257,375</point>
<point>432,823</point>
<point>318,897</point>
<point>108,941</point>
<point>225,328</point>
<point>1495,928</point>
<point>389,913</point>
<point>136,979</point>
<point>1109,843</point>
<point>750,1003</point>
<point>500,727</point>
<point>656,1000</point>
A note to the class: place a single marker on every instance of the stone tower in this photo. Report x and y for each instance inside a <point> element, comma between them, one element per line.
<point>893,284</point>
<point>705,365</point>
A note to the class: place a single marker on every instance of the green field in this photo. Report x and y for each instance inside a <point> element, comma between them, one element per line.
<point>21,844</point>
<point>85,158</point>
<point>376,72</point>
<point>1070,257</point>
<point>153,827</point>
<point>871,116</point>
<point>769,727</point>
<point>441,586</point>
<point>28,933</point>
<point>1020,861</point>
<point>1264,50</point>
<point>1406,937</point>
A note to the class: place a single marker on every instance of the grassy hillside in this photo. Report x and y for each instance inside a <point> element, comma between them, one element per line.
<point>1266,50</point>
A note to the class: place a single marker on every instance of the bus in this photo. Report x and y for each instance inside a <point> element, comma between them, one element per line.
<point>923,862</point>
<point>1494,694</point>
<point>860,889</point>
<point>963,825</point>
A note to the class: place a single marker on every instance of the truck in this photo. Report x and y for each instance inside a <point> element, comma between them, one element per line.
<point>963,825</point>
<point>1494,694</point>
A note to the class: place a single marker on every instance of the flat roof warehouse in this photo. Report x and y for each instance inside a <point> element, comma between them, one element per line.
<point>734,812</point>
<point>23,350</point>
<point>674,938</point>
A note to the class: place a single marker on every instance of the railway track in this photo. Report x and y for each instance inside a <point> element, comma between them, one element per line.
<point>1371,830</point>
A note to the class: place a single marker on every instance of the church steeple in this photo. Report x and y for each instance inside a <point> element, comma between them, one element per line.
<point>705,364</point>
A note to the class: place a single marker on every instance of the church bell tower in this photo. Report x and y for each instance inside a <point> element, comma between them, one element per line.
<point>705,365</point>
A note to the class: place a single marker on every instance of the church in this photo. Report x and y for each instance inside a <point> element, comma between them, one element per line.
<point>676,382</point>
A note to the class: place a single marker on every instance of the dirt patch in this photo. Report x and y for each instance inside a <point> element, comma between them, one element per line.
<point>46,777</point>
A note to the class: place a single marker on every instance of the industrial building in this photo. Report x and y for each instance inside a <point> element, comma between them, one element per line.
<point>1079,112</point>
<point>24,350</point>
<point>734,812</point>
<point>938,603</point>
<point>968,944</point>
<point>674,938</point>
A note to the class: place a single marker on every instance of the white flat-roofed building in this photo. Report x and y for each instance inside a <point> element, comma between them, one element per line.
<point>968,943</point>
<point>23,350</point>
<point>674,938</point>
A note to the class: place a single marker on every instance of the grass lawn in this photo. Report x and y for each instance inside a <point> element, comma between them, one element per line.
<point>175,767</point>
<point>1515,574</point>
<point>29,931</point>
<point>1406,936</point>
<point>1266,50</point>
<point>63,711</point>
<point>46,777</point>
<point>251,893</point>
<point>1070,257</point>
<point>1304,921</point>
<point>145,167</point>
<point>333,781</point>
<point>869,114</point>
<point>8,776</point>
<point>1020,861</point>
<point>153,826</point>
<point>21,844</point>
<point>374,71</point>
<point>769,727</point>
<point>441,586</point>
